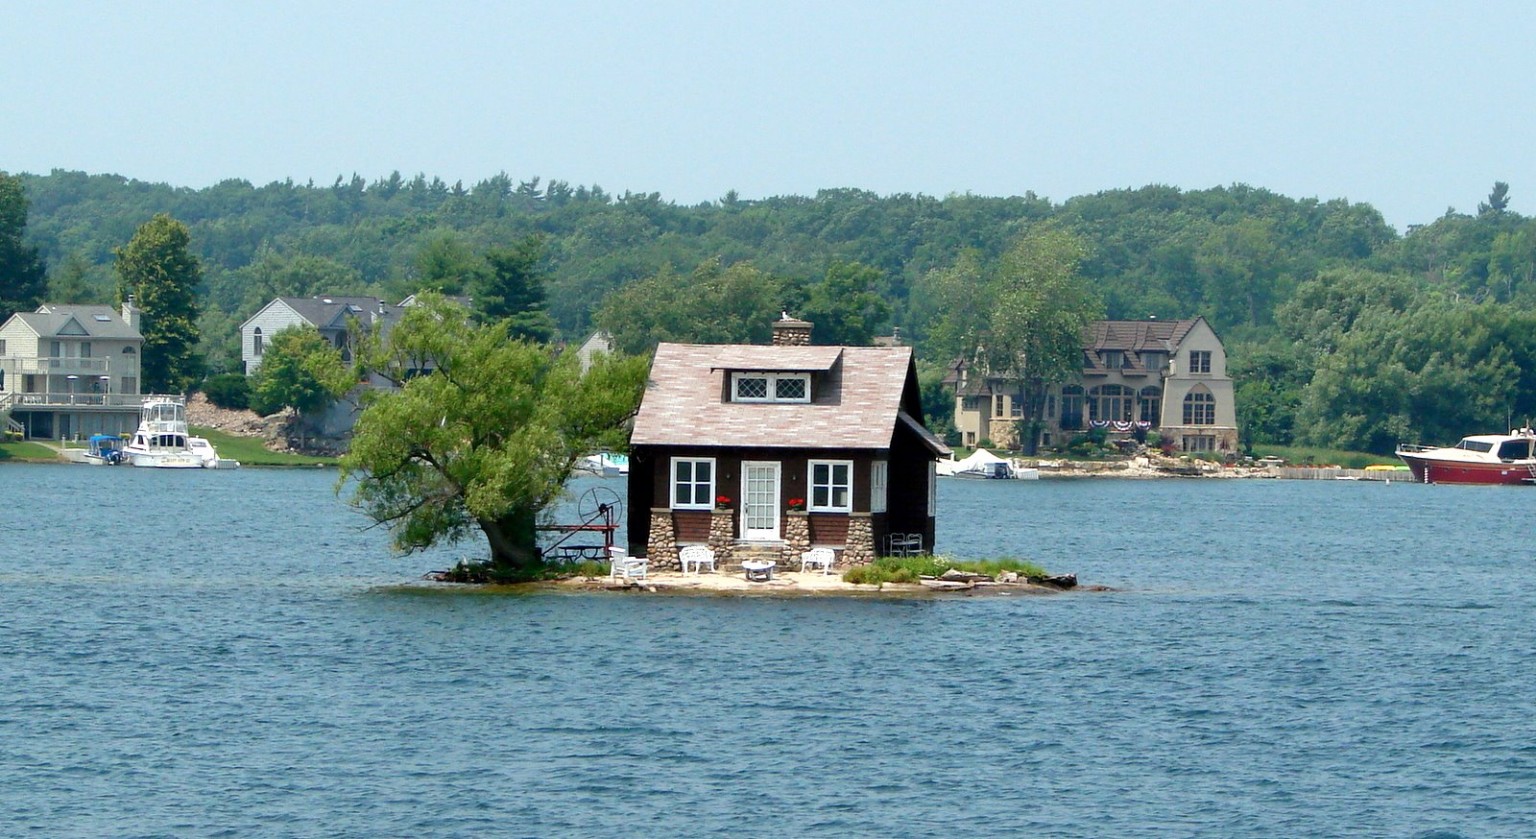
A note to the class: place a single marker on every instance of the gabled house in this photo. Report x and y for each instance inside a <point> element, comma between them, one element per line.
<point>1137,376</point>
<point>70,371</point>
<point>330,315</point>
<point>780,448</point>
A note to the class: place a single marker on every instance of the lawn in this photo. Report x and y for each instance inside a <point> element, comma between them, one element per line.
<point>16,450</point>
<point>250,451</point>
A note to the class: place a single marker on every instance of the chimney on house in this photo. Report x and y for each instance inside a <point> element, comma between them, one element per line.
<point>790,332</point>
<point>131,314</point>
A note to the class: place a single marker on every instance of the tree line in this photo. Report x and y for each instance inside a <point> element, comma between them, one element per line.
<point>1340,330</point>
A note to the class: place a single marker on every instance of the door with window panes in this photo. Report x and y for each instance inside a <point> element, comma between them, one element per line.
<point>760,500</point>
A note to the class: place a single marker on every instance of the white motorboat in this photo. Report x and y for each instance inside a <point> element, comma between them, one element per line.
<point>104,450</point>
<point>211,459</point>
<point>162,440</point>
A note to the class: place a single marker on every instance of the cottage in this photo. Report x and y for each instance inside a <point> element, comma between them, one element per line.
<point>69,371</point>
<point>776,449</point>
<point>1137,375</point>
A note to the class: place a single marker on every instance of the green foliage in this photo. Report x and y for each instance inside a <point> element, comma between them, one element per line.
<point>299,370</point>
<point>488,439</point>
<point>910,569</point>
<point>1260,266</point>
<point>1021,319</point>
<point>23,279</point>
<point>159,271</point>
<point>228,390</point>
<point>714,304</point>
<point>511,288</point>
<point>846,307</point>
<point>24,451</point>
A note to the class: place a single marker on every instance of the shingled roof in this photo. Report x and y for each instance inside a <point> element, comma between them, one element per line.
<point>1138,335</point>
<point>85,321</point>
<point>856,400</point>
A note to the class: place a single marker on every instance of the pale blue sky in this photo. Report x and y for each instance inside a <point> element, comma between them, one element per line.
<point>1412,107</point>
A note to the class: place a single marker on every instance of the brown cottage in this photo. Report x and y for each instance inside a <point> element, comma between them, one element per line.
<point>728,436</point>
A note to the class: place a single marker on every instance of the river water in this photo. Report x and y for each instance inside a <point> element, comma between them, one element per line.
<point>234,654</point>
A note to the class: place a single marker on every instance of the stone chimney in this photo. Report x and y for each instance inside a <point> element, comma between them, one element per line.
<point>131,314</point>
<point>790,332</point>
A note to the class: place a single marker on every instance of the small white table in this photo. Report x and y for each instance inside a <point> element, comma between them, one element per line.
<point>758,570</point>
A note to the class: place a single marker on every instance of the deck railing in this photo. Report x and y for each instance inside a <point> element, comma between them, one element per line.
<point>98,400</point>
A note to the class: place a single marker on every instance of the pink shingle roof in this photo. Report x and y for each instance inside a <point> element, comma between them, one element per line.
<point>856,397</point>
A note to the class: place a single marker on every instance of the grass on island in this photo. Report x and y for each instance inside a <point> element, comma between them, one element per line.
<point>251,452</point>
<point>22,451</point>
<point>910,569</point>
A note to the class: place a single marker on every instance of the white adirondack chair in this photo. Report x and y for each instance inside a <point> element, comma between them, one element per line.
<point>625,566</point>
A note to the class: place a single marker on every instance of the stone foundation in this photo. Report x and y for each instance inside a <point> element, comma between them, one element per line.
<point>860,549</point>
<point>722,535</point>
<point>661,546</point>
<point>797,538</point>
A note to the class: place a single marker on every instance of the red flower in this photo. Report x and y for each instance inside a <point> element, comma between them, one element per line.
<point>723,501</point>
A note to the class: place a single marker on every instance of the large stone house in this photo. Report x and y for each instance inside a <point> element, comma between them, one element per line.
<point>70,371</point>
<point>1137,375</point>
<point>775,449</point>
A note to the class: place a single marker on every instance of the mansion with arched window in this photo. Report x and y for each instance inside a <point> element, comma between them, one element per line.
<point>1138,375</point>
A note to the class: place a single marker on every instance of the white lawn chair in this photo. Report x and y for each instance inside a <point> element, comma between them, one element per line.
<point>626,566</point>
<point>698,556</point>
<point>823,557</point>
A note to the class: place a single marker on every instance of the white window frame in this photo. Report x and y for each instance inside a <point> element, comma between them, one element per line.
<point>1200,361</point>
<point>831,486</point>
<point>773,386</point>
<point>673,483</point>
<point>879,478</point>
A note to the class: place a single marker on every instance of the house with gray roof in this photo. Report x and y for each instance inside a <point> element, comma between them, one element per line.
<point>756,450</point>
<point>329,314</point>
<point>1137,376</point>
<point>69,371</point>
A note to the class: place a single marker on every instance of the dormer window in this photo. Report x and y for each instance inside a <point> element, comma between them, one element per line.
<point>770,387</point>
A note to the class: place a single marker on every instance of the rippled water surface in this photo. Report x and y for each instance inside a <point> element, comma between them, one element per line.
<point>233,654</point>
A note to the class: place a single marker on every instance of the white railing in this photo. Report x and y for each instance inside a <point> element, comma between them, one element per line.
<point>103,400</point>
<point>80,365</point>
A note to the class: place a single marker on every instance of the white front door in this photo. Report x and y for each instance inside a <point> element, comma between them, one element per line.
<point>760,500</point>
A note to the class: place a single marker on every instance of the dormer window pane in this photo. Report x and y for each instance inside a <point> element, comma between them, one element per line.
<point>751,388</point>
<point>770,387</point>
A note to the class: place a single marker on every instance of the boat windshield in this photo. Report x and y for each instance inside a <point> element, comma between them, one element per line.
<point>1515,450</point>
<point>1475,446</point>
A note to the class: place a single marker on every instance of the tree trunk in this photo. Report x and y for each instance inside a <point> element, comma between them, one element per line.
<point>513,540</point>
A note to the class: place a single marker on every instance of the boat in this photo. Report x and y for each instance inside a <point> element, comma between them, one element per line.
<point>604,465</point>
<point>984,465</point>
<point>1478,459</point>
<point>162,440</point>
<point>211,459</point>
<point>104,450</point>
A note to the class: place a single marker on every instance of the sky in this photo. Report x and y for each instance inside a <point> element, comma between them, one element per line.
<point>1414,108</point>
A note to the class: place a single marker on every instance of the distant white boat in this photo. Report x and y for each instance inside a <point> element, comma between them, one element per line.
<point>984,465</point>
<point>604,464</point>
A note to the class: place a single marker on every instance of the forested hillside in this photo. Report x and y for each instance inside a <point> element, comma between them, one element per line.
<point>1341,331</point>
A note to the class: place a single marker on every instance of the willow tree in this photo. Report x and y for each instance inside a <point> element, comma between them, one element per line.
<point>1020,320</point>
<point>486,438</point>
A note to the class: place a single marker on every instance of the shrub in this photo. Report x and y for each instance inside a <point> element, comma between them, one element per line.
<point>228,390</point>
<point>910,569</point>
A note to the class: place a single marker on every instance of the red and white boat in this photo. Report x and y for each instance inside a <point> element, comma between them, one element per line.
<point>1479,459</point>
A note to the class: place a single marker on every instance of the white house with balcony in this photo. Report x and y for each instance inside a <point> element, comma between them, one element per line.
<point>69,371</point>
